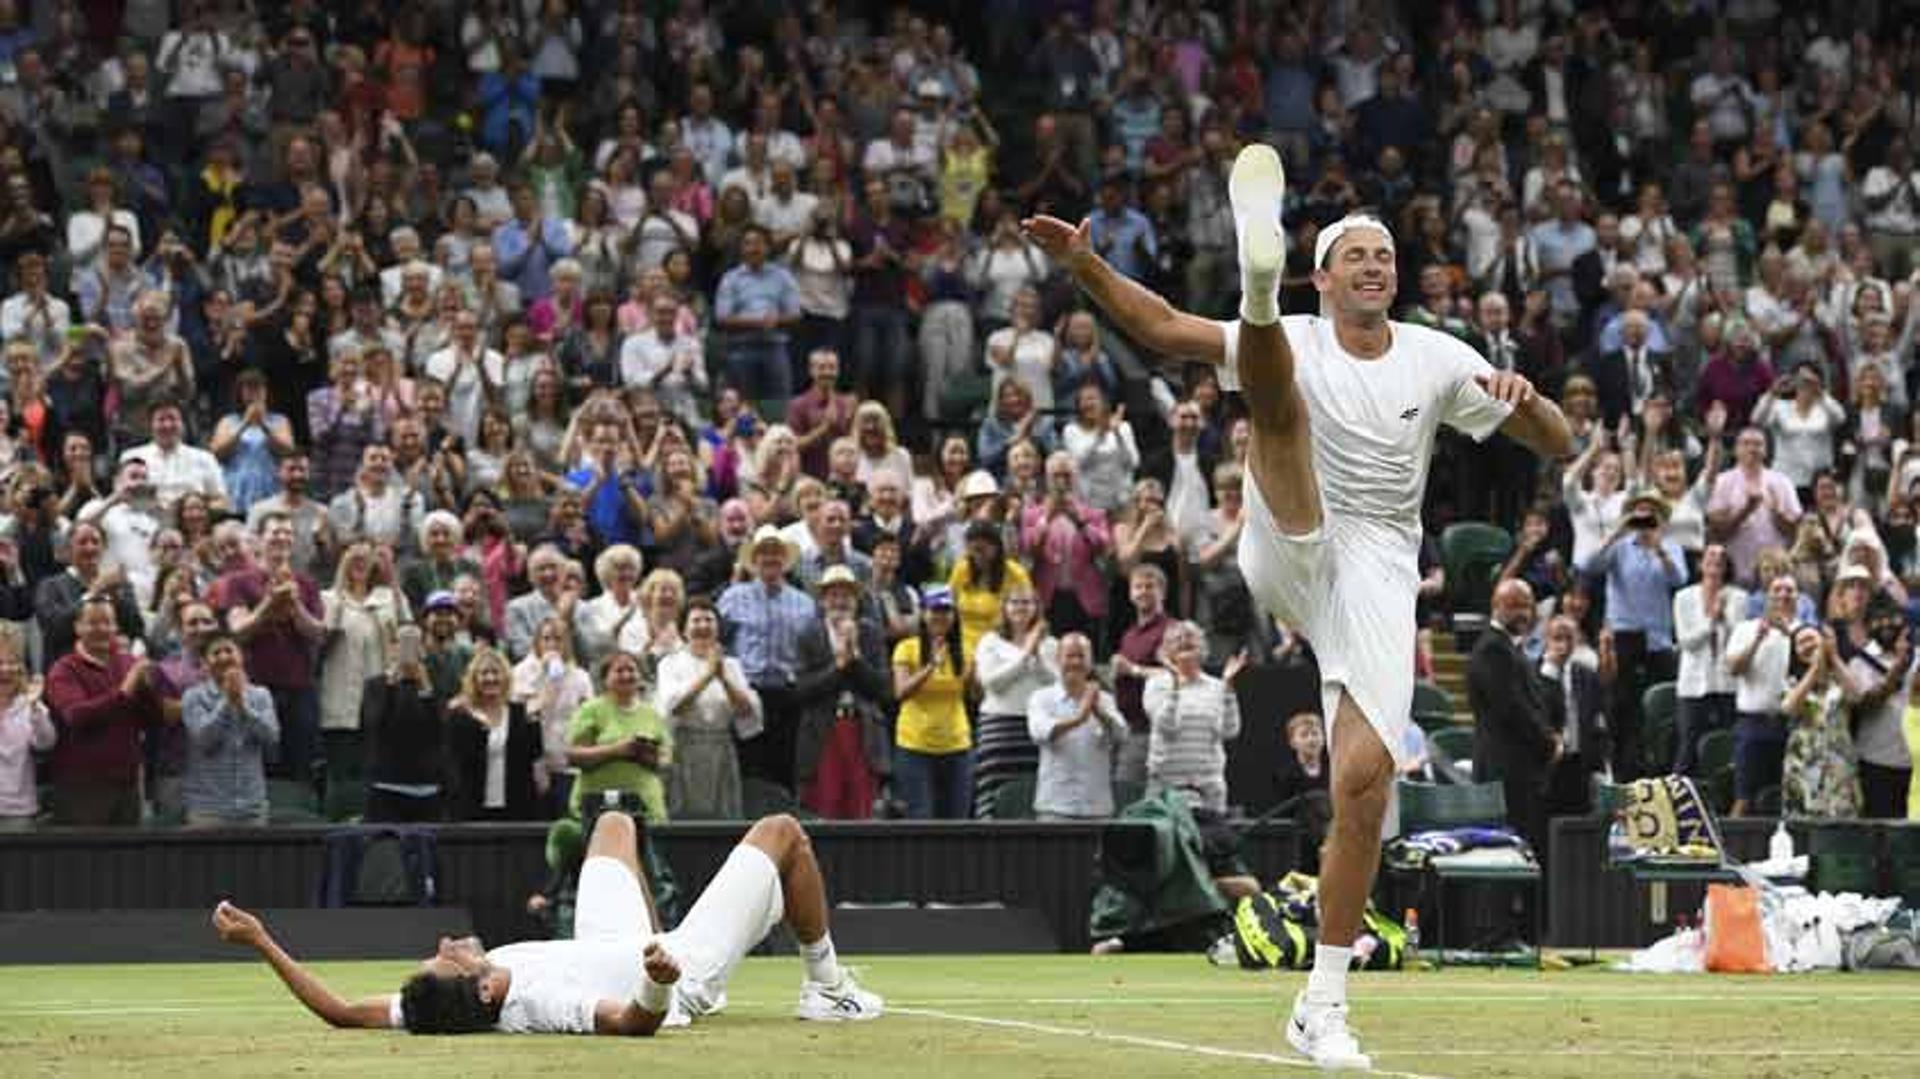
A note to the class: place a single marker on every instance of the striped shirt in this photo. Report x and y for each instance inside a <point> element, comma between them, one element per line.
<point>1191,723</point>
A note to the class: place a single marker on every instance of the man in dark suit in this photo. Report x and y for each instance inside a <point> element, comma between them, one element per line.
<point>843,687</point>
<point>1626,378</point>
<point>1513,738</point>
<point>1576,701</point>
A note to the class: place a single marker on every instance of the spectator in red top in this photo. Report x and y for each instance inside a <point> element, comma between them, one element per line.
<point>103,699</point>
<point>822,413</point>
<point>276,614</point>
<point>1136,661</point>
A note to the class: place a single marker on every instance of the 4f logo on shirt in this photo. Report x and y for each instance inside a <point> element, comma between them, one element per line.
<point>1410,413</point>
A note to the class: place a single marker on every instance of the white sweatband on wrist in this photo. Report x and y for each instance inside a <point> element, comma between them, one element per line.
<point>655,997</point>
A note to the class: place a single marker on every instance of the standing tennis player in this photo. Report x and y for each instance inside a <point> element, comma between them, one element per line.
<point>1345,406</point>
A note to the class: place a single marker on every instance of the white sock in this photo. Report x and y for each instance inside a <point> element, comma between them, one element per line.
<point>823,965</point>
<point>1327,984</point>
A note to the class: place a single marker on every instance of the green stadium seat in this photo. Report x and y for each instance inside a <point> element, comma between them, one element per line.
<point>1013,799</point>
<point>1657,707</point>
<point>1903,860</point>
<point>292,801</point>
<point>1455,743</point>
<point>1432,806</point>
<point>1432,707</point>
<point>1473,552</point>
<point>1844,856</point>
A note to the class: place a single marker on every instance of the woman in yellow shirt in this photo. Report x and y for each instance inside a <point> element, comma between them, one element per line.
<point>980,582</point>
<point>932,741</point>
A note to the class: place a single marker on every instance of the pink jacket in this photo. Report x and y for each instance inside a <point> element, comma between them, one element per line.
<point>1063,552</point>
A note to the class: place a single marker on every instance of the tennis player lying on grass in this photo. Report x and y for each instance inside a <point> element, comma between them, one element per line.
<point>619,974</point>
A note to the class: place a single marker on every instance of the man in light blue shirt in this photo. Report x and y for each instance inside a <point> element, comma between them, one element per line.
<point>1078,728</point>
<point>529,244</point>
<point>231,727</point>
<point>755,303</point>
<point>763,619</point>
<point>1121,234</point>
<point>1557,243</point>
<point>1643,569</point>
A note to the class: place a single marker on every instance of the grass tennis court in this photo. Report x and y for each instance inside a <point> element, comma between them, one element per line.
<point>1000,1017</point>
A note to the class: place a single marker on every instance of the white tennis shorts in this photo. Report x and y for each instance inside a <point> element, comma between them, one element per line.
<point>740,906</point>
<point>1350,587</point>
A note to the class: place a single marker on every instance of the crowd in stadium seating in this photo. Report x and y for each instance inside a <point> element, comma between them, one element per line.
<point>463,409</point>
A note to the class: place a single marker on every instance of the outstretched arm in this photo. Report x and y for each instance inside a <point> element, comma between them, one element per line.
<point>1142,314</point>
<point>1535,422</point>
<point>236,926</point>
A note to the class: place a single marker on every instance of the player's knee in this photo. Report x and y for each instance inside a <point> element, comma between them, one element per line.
<point>778,832</point>
<point>1360,790</point>
<point>613,826</point>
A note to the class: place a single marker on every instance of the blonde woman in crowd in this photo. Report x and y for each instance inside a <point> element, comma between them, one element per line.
<point>362,613</point>
<point>494,746</point>
<point>597,622</point>
<point>654,632</point>
<point>880,449</point>
<point>25,729</point>
<point>1016,658</point>
<point>551,686</point>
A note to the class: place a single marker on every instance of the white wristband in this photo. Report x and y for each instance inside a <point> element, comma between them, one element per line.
<point>655,997</point>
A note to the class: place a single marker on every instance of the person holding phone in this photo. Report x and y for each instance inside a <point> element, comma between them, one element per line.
<point>1643,568</point>
<point>406,756</point>
<point>619,741</point>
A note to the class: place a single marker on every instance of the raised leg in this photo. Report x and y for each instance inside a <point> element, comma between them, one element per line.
<point>1281,456</point>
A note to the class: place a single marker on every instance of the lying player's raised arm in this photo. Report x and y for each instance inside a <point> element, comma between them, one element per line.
<point>236,926</point>
<point>1142,314</point>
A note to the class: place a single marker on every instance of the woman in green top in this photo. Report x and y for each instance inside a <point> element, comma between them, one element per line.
<point>619,741</point>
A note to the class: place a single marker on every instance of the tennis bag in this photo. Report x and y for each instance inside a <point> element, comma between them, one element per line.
<point>1278,929</point>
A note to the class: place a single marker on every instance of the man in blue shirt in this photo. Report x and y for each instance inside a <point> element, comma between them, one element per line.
<point>755,303</point>
<point>231,727</point>
<point>763,619</point>
<point>1121,234</point>
<point>529,244</point>
<point>615,510</point>
<point>1557,243</point>
<point>1643,569</point>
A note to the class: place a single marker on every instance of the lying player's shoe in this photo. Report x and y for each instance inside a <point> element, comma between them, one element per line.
<point>1257,187</point>
<point>844,1002</point>
<point>1319,1032</point>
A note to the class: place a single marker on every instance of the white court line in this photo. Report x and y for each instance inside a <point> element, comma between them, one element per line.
<point>1168,1045</point>
<point>1661,1054</point>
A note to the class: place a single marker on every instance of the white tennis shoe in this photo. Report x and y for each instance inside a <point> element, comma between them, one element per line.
<point>1256,188</point>
<point>1319,1032</point>
<point>844,1002</point>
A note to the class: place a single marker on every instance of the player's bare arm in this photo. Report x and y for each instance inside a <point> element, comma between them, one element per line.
<point>1536,423</point>
<point>1142,314</point>
<point>236,926</point>
<point>632,1018</point>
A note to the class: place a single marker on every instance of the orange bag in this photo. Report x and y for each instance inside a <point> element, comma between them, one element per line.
<point>1735,942</point>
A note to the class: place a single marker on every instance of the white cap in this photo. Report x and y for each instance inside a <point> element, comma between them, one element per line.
<point>1332,233</point>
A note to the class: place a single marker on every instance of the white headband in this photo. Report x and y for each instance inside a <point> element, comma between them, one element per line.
<point>1332,233</point>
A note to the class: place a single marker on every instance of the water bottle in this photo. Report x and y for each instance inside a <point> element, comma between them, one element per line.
<point>1411,954</point>
<point>1780,846</point>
